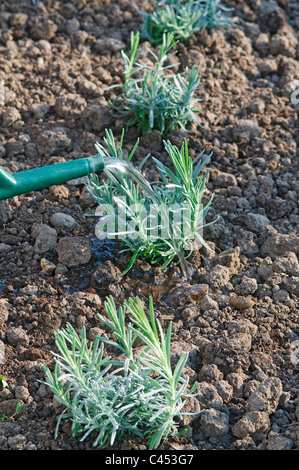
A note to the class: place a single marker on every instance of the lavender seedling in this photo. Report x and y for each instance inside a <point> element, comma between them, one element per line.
<point>108,398</point>
<point>182,19</point>
<point>152,97</point>
<point>159,221</point>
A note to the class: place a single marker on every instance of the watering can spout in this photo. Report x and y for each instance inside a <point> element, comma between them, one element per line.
<point>43,177</point>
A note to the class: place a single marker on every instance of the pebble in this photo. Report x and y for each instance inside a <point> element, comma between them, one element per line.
<point>214,422</point>
<point>5,212</point>
<point>251,424</point>
<point>244,130</point>
<point>278,442</point>
<point>43,29</point>
<point>224,389</point>
<point>17,442</point>
<point>288,263</point>
<point>70,106</point>
<point>218,276</point>
<point>208,304</point>
<point>3,311</point>
<point>45,238</point>
<point>266,396</point>
<point>10,116</point>
<point>22,393</point>
<point>51,142</point>
<point>96,116</point>
<point>74,251</point>
<point>256,222</point>
<point>47,265</point>
<point>280,243</point>
<point>29,290</point>
<point>241,303</point>
<point>17,337</point>
<point>247,286</point>
<point>109,45</point>
<point>62,221</point>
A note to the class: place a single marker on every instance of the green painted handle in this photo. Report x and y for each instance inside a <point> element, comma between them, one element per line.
<point>43,177</point>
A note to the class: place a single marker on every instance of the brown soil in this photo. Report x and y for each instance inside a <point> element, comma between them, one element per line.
<point>242,349</point>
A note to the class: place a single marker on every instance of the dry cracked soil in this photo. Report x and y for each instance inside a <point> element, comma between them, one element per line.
<point>57,59</point>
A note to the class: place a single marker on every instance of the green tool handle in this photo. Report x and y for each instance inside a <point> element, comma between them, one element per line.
<point>43,177</point>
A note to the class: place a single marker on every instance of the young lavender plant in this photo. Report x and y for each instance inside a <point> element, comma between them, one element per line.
<point>152,97</point>
<point>142,395</point>
<point>159,221</point>
<point>182,19</point>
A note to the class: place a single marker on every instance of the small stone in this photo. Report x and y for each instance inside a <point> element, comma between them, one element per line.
<point>22,393</point>
<point>265,268</point>
<point>4,248</point>
<point>251,424</point>
<point>287,263</point>
<point>266,396</point>
<point>17,442</point>
<point>241,340</point>
<point>74,251</point>
<point>250,387</point>
<point>43,29</point>
<point>229,258</point>
<point>17,337</point>
<point>208,395</point>
<point>40,111</point>
<point>210,373</point>
<point>267,67</point>
<point>256,222</point>
<point>223,180</point>
<point>45,238</point>
<point>279,44</point>
<point>280,243</point>
<point>94,332</point>
<point>29,290</point>
<point>105,274</point>
<point>96,116</point>
<point>247,286</point>
<point>276,441</point>
<point>257,106</point>
<point>241,303</point>
<point>237,382</point>
<point>59,192</point>
<point>5,212</point>
<point>70,106</point>
<point>107,45</point>
<point>63,221</point>
<point>218,276</point>
<point>47,265</point>
<point>60,269</point>
<point>189,313</point>
<point>13,148</point>
<point>10,116</point>
<point>242,326</point>
<point>224,389</point>
<point>3,312</point>
<point>18,19</point>
<point>87,86</point>
<point>208,304</point>
<point>51,142</point>
<point>245,130</point>
<point>44,46</point>
<point>214,423</point>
